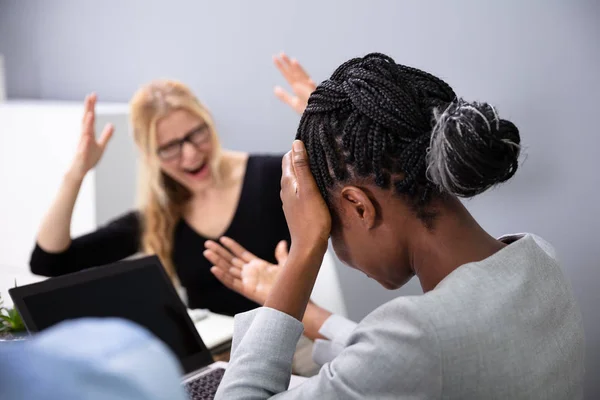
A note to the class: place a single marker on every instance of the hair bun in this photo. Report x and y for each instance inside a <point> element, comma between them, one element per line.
<point>471,149</point>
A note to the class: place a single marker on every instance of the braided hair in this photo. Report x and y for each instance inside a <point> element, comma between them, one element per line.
<point>405,129</point>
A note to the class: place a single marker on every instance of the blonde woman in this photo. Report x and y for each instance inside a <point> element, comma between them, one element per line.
<point>192,192</point>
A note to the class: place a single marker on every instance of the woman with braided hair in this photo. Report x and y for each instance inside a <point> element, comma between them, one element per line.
<point>384,152</point>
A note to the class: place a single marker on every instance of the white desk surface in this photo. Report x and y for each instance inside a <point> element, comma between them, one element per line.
<point>215,329</point>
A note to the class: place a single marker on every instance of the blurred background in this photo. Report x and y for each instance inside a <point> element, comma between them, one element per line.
<point>537,61</point>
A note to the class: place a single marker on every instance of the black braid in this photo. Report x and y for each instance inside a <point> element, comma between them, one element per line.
<point>360,148</point>
<point>373,118</point>
<point>348,138</point>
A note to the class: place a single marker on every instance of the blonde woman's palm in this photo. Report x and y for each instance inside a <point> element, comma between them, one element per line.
<point>90,150</point>
<point>242,271</point>
<point>300,82</point>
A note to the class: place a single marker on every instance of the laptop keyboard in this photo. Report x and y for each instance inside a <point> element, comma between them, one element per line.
<point>205,386</point>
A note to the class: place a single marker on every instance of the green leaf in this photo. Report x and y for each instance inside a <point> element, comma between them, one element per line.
<point>11,321</point>
<point>17,321</point>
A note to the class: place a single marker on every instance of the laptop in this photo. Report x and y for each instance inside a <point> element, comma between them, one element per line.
<point>138,290</point>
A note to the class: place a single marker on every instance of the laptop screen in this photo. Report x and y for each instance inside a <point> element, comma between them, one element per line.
<point>136,290</point>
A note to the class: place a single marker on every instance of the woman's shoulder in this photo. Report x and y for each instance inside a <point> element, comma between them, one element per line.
<point>252,162</point>
<point>270,162</point>
<point>405,309</point>
<point>265,168</point>
<point>403,325</point>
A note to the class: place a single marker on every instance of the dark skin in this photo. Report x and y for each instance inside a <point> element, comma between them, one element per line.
<point>373,230</point>
<point>392,244</point>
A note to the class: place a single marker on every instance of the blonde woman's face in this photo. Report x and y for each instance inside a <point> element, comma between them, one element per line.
<point>184,148</point>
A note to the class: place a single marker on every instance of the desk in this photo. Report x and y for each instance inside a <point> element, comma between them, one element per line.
<point>222,353</point>
<point>214,329</point>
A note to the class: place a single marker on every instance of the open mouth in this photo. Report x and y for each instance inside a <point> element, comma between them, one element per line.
<point>199,171</point>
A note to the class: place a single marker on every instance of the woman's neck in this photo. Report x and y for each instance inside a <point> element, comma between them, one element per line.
<point>456,239</point>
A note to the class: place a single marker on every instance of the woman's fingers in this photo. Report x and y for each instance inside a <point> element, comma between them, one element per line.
<point>300,82</point>
<point>284,96</point>
<point>219,250</point>
<point>107,133</point>
<point>216,260</point>
<point>237,250</point>
<point>88,120</point>
<point>233,266</point>
<point>302,173</point>
<point>86,108</point>
<point>298,71</point>
<point>288,175</point>
<point>228,280</point>
<point>92,107</point>
<point>89,103</point>
<point>291,69</point>
<point>282,63</point>
<point>235,272</point>
<point>287,62</point>
<point>87,127</point>
<point>281,252</point>
<point>303,91</point>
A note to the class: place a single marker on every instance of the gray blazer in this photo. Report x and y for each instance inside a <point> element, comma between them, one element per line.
<point>506,327</point>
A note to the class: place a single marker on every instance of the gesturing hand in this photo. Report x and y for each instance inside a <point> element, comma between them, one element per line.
<point>300,82</point>
<point>242,271</point>
<point>90,149</point>
<point>305,210</point>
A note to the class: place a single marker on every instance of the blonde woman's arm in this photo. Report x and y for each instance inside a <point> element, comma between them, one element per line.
<point>55,252</point>
<point>54,235</point>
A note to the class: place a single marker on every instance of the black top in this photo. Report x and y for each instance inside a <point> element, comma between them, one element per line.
<point>258,224</point>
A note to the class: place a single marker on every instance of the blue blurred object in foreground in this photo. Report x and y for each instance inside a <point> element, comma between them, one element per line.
<point>90,359</point>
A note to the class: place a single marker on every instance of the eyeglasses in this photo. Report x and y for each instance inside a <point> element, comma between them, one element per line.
<point>173,149</point>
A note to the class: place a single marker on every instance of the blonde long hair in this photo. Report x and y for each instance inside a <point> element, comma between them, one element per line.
<point>162,199</point>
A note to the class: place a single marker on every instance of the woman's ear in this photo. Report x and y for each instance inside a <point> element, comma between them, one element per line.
<point>356,203</point>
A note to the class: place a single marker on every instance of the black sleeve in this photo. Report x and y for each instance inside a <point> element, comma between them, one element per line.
<point>112,242</point>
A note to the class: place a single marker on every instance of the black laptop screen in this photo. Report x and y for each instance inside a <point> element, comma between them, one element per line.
<point>141,294</point>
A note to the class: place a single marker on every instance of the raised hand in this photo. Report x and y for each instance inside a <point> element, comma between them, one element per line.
<point>242,271</point>
<point>306,212</point>
<point>300,82</point>
<point>309,222</point>
<point>90,150</point>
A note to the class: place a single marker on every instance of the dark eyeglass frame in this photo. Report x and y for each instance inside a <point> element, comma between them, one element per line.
<point>196,137</point>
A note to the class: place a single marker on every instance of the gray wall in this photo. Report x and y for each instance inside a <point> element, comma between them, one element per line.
<point>116,174</point>
<point>538,61</point>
